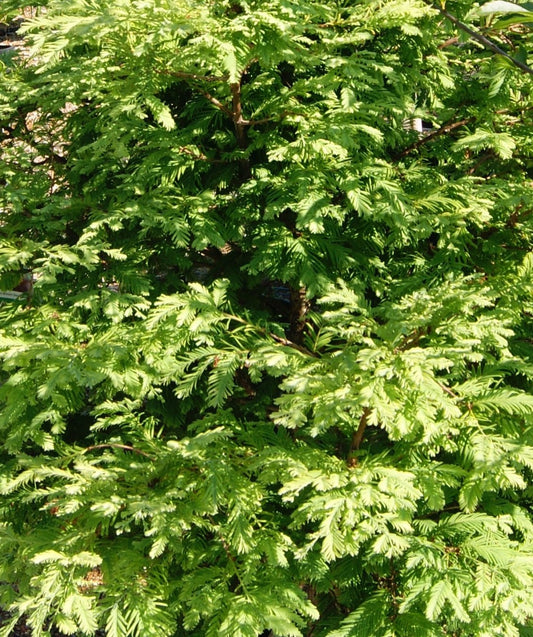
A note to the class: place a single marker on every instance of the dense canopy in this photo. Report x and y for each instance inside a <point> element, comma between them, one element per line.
<point>270,369</point>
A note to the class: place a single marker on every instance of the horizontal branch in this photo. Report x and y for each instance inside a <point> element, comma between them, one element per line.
<point>255,122</point>
<point>116,445</point>
<point>266,120</point>
<point>448,42</point>
<point>193,76</point>
<point>201,156</point>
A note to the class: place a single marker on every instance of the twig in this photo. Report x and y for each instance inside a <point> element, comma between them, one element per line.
<point>231,558</point>
<point>488,44</point>
<point>221,78</point>
<point>410,341</point>
<point>201,78</point>
<point>484,158</point>
<point>116,445</point>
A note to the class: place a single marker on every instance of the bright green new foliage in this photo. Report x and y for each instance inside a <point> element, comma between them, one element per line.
<point>273,375</point>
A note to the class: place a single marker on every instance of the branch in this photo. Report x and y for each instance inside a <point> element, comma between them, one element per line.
<point>231,558</point>
<point>448,42</point>
<point>298,311</point>
<point>449,126</point>
<point>192,76</point>
<point>288,343</point>
<point>255,122</point>
<point>200,78</point>
<point>448,390</point>
<point>116,445</point>
<point>488,44</point>
<point>241,134</point>
<point>201,156</point>
<point>219,78</point>
<point>445,128</point>
<point>357,438</point>
<point>214,101</point>
<point>238,121</point>
<point>274,337</point>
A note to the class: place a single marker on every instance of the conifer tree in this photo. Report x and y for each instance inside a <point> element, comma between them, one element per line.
<point>270,368</point>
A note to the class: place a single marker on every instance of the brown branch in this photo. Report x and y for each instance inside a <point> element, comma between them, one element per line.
<point>238,121</point>
<point>192,76</point>
<point>443,130</point>
<point>214,101</point>
<point>236,98</point>
<point>255,122</point>
<point>287,343</point>
<point>116,445</point>
<point>201,156</point>
<point>452,125</point>
<point>448,390</point>
<point>279,339</point>
<point>357,438</point>
<point>298,312</point>
<point>484,158</point>
<point>488,44</point>
<point>411,340</point>
<point>448,42</point>
<point>517,216</point>
<point>240,129</point>
<point>231,558</point>
<point>201,78</point>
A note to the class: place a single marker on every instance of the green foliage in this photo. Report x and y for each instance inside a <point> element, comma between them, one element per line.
<point>271,368</point>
